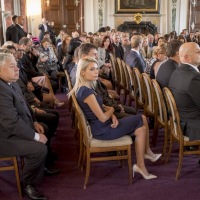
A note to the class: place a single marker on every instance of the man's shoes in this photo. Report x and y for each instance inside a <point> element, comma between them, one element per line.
<point>32,193</point>
<point>50,172</point>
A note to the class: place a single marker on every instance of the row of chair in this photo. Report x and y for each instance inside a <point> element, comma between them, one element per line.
<point>158,104</point>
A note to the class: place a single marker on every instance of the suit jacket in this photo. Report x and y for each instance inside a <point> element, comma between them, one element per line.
<point>42,31</point>
<point>134,59</point>
<point>165,72</point>
<point>9,30</point>
<point>185,86</point>
<point>17,33</point>
<point>118,51</point>
<point>126,52</point>
<point>15,123</point>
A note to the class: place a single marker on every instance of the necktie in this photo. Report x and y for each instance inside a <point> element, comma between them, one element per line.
<point>21,98</point>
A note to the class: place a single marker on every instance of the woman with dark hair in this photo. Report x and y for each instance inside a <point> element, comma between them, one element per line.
<point>104,52</point>
<point>62,51</point>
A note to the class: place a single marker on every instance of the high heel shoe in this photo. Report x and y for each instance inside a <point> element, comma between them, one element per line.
<point>138,170</point>
<point>157,156</point>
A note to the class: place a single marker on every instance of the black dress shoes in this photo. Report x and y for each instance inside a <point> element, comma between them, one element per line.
<point>33,194</point>
<point>50,172</point>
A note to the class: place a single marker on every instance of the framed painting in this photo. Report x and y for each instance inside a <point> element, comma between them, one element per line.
<point>137,6</point>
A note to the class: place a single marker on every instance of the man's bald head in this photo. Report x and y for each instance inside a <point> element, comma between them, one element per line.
<point>190,53</point>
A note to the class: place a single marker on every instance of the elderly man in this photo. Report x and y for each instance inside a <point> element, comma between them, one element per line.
<point>185,86</point>
<point>20,134</point>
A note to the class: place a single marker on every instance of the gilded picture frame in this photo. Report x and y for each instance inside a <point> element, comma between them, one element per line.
<point>137,6</point>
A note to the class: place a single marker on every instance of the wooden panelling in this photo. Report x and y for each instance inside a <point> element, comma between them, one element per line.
<point>64,12</point>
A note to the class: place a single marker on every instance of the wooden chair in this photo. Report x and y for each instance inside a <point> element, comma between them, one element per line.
<point>122,84</point>
<point>78,135</point>
<point>60,76</point>
<point>176,134</point>
<point>139,101</point>
<point>115,73</point>
<point>126,80</point>
<point>132,93</point>
<point>161,119</point>
<point>13,166</point>
<point>148,95</point>
<point>92,146</point>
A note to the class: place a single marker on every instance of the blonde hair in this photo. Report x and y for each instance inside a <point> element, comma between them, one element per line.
<point>80,81</point>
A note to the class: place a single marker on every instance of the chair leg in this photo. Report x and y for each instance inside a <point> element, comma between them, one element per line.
<point>17,176</point>
<point>87,171</point>
<point>80,160</point>
<point>170,148</point>
<point>155,132</point>
<point>130,165</point>
<point>165,143</point>
<point>179,161</point>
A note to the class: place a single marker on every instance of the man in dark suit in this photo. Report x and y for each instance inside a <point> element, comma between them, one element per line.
<point>18,30</point>
<point>9,30</point>
<point>44,27</point>
<point>134,58</point>
<point>20,135</point>
<point>185,86</point>
<point>167,68</point>
<point>117,46</point>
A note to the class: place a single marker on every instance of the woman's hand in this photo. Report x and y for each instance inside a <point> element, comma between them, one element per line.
<point>115,121</point>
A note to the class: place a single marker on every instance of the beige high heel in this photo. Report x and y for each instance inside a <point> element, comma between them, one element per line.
<point>138,170</point>
<point>157,156</point>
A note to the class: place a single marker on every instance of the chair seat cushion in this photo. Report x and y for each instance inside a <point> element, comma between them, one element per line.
<point>125,140</point>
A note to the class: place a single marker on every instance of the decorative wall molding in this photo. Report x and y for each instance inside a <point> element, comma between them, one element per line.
<point>174,3</point>
<point>100,12</point>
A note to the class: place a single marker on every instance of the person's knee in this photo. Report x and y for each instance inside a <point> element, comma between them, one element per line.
<point>43,151</point>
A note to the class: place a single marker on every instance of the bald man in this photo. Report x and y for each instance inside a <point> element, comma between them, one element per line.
<point>185,86</point>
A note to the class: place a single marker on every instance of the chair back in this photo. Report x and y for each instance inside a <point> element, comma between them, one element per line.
<point>121,71</point>
<point>174,115</point>
<point>159,103</point>
<point>138,88</point>
<point>127,78</point>
<point>148,93</point>
<point>84,127</point>
<point>131,79</point>
<point>68,80</point>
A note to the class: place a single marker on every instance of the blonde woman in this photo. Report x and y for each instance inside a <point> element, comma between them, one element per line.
<point>104,125</point>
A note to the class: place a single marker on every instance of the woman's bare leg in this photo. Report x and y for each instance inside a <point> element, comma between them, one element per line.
<point>148,150</point>
<point>140,146</point>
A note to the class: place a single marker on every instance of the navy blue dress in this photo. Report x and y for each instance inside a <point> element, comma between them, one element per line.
<point>103,130</point>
